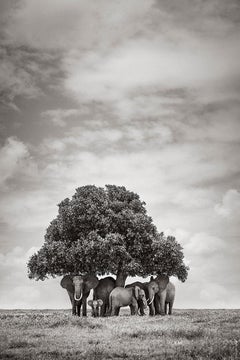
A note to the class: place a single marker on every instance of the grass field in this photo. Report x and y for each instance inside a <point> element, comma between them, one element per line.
<point>55,334</point>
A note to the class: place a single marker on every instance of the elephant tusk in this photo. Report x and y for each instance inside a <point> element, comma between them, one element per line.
<point>151,301</point>
<point>147,300</point>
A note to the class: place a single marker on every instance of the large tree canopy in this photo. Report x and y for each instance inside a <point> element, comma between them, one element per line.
<point>106,230</point>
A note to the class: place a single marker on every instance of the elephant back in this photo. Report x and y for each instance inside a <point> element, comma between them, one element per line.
<point>105,286</point>
<point>139,284</point>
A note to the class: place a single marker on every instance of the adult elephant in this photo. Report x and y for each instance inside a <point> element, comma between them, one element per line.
<point>157,287</point>
<point>170,296</point>
<point>131,296</point>
<point>100,302</point>
<point>143,286</point>
<point>78,288</point>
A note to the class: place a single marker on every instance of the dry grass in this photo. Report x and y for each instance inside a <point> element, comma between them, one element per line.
<point>188,334</point>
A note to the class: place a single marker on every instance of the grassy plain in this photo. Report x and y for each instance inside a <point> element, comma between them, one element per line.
<point>55,334</point>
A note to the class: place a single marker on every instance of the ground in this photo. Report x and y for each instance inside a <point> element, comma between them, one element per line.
<point>56,334</point>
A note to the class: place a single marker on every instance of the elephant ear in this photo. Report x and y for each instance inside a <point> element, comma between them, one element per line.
<point>67,283</point>
<point>136,291</point>
<point>90,282</point>
<point>100,302</point>
<point>162,281</point>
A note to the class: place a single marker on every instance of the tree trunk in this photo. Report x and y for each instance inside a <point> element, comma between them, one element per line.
<point>121,278</point>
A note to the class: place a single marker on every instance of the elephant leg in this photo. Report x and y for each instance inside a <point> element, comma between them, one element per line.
<point>108,311</point>
<point>113,310</point>
<point>134,307</point>
<point>79,307</point>
<point>165,309</point>
<point>117,310</point>
<point>141,308</point>
<point>73,307</point>
<point>170,308</point>
<point>132,310</point>
<point>157,305</point>
<point>103,308</point>
<point>84,307</point>
<point>162,302</point>
<point>151,310</point>
<point>84,303</point>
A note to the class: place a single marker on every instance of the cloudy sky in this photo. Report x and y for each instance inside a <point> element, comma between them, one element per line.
<point>138,93</point>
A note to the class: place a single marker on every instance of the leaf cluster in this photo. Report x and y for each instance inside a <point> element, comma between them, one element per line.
<point>105,230</point>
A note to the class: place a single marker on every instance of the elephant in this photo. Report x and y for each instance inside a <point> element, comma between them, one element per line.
<point>121,296</point>
<point>142,285</point>
<point>158,287</point>
<point>96,306</point>
<point>78,288</point>
<point>102,292</point>
<point>170,296</point>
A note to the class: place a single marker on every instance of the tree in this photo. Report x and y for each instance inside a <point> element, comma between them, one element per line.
<point>102,231</point>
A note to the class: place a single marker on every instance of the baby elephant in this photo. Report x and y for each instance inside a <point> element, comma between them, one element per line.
<point>126,297</point>
<point>96,307</point>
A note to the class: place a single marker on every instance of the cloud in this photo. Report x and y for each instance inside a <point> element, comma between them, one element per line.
<point>28,209</point>
<point>214,270</point>
<point>15,159</point>
<point>230,205</point>
<point>141,94</point>
<point>23,72</point>
<point>17,291</point>
<point>204,244</point>
<point>59,117</point>
<point>14,78</point>
<point>76,24</point>
<point>154,64</point>
<point>193,198</point>
<point>156,51</point>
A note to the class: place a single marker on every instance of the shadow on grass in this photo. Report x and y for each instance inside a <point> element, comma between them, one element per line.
<point>20,344</point>
<point>79,322</point>
<point>188,334</point>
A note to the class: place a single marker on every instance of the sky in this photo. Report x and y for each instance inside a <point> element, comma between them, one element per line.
<point>141,94</point>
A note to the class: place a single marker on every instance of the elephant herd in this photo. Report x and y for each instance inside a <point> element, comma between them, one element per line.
<point>158,294</point>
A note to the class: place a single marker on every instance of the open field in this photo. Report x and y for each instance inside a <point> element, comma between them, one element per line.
<point>55,334</point>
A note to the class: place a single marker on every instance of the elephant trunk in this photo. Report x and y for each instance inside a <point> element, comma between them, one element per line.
<point>77,293</point>
<point>77,299</point>
<point>144,304</point>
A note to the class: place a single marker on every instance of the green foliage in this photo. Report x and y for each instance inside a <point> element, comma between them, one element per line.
<point>105,230</point>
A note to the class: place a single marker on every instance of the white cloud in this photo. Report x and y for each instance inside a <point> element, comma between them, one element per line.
<point>18,291</point>
<point>154,64</point>
<point>194,198</point>
<point>28,209</point>
<point>142,94</point>
<point>15,79</point>
<point>59,117</point>
<point>76,24</point>
<point>204,244</point>
<point>23,71</point>
<point>14,159</point>
<point>230,205</point>
<point>214,270</point>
